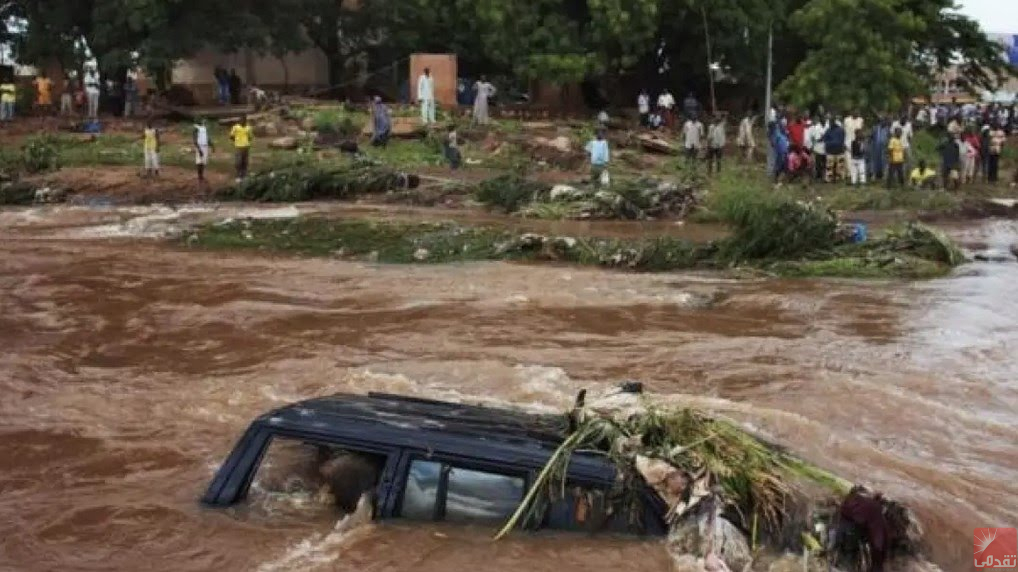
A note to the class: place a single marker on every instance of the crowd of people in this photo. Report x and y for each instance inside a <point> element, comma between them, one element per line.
<point>826,147</point>
<point>80,95</point>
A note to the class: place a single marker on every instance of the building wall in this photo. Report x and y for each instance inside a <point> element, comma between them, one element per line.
<point>309,68</point>
<point>444,70</point>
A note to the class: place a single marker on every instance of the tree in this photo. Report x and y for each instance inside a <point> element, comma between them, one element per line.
<point>876,54</point>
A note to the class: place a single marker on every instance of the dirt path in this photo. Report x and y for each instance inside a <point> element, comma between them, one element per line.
<point>126,185</point>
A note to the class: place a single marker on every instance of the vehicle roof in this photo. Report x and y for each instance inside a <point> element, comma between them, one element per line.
<point>485,433</point>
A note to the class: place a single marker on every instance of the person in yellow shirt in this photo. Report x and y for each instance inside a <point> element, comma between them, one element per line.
<point>44,93</point>
<point>8,97</point>
<point>151,143</point>
<point>241,135</point>
<point>896,166</point>
<point>923,177</point>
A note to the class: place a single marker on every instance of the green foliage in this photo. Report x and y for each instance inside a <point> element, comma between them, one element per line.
<point>770,226</point>
<point>40,153</point>
<point>335,121</point>
<point>303,182</point>
<point>509,192</point>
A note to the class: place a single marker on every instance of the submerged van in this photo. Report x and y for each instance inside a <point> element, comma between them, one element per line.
<point>424,460</point>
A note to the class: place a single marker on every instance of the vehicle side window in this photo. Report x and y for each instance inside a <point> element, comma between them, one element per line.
<point>475,496</point>
<point>592,510</point>
<point>438,491</point>
<point>421,494</point>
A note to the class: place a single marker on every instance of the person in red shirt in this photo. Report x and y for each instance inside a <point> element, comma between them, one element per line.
<point>797,133</point>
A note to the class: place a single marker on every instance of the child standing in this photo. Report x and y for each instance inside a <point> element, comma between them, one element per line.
<point>151,144</point>
<point>241,134</point>
<point>599,157</point>
<point>857,169</point>
<point>202,147</point>
<point>451,148</point>
<point>896,165</point>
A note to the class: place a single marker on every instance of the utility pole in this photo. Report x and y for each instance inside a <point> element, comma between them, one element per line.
<point>770,73</point>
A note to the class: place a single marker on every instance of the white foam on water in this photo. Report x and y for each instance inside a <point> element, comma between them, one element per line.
<point>321,549</point>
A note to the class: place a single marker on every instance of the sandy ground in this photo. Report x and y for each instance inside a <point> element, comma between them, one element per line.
<point>128,185</point>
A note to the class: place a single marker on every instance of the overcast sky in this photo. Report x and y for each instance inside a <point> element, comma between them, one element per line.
<point>994,15</point>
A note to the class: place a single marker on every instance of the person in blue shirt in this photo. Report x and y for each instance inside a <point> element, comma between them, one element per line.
<point>834,142</point>
<point>599,157</point>
<point>780,143</point>
<point>878,149</point>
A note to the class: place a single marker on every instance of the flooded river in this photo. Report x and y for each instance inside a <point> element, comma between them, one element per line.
<point>129,367</point>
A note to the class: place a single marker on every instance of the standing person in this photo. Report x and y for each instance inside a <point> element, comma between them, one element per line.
<point>950,161</point>
<point>643,105</point>
<point>44,94</point>
<point>235,85</point>
<point>984,151</point>
<point>8,97</point>
<point>715,144</point>
<point>896,160</point>
<point>222,85</point>
<point>745,138</point>
<point>690,106</point>
<point>599,157</point>
<point>381,123</point>
<point>971,157</point>
<point>202,147</point>
<point>878,149</point>
<point>797,133</point>
<point>130,96</point>
<point>997,139</point>
<point>781,146</point>
<point>92,91</point>
<point>854,124</point>
<point>692,133</point>
<point>241,135</point>
<point>906,136</point>
<point>483,92</point>
<point>151,145</point>
<point>834,143</point>
<point>67,97</point>
<point>923,178</point>
<point>426,96</point>
<point>451,148</point>
<point>819,149</point>
<point>857,151</point>
<point>666,105</point>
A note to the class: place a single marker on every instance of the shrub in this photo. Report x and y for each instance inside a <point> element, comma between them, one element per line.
<point>301,182</point>
<point>40,153</point>
<point>335,121</point>
<point>770,226</point>
<point>509,192</point>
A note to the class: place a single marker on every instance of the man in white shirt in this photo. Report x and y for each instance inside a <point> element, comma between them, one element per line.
<point>92,84</point>
<point>692,133</point>
<point>745,138</point>
<point>815,141</point>
<point>202,147</point>
<point>426,96</point>
<point>666,105</point>
<point>853,124</point>
<point>643,104</point>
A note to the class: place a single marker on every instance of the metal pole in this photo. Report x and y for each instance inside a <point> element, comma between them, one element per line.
<point>770,73</point>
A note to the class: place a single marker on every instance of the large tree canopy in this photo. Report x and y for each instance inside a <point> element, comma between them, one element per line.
<point>846,53</point>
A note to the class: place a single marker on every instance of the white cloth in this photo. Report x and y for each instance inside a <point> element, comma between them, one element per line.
<point>692,132</point>
<point>151,160</point>
<point>906,132</point>
<point>425,88</point>
<point>643,103</point>
<point>745,138</point>
<point>201,135</point>
<point>815,138</point>
<point>666,100</point>
<point>201,155</point>
<point>716,136</point>
<point>93,102</point>
<point>428,110</point>
<point>853,124</point>
<point>857,170</point>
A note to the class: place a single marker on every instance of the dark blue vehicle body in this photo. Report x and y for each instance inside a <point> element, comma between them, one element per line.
<point>403,430</point>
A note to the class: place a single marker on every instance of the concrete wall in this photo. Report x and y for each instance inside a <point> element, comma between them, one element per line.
<point>309,68</point>
<point>444,70</point>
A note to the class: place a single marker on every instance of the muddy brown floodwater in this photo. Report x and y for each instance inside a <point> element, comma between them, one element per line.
<point>128,368</point>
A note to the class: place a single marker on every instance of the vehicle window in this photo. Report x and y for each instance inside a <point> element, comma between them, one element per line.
<point>296,475</point>
<point>592,510</point>
<point>475,496</point>
<point>438,491</point>
<point>421,492</point>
